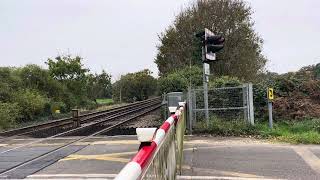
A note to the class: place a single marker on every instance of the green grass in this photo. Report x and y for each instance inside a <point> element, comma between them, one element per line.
<point>305,131</point>
<point>104,101</point>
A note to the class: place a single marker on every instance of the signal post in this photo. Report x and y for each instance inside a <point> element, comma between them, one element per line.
<point>270,98</point>
<point>211,44</point>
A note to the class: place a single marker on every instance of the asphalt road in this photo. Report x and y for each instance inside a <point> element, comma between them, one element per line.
<point>205,158</point>
<point>238,158</point>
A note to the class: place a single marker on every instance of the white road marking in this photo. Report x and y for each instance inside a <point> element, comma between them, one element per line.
<point>312,160</point>
<point>220,177</point>
<point>223,173</point>
<point>72,176</point>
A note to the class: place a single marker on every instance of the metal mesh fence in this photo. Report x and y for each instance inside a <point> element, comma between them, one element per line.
<point>225,104</point>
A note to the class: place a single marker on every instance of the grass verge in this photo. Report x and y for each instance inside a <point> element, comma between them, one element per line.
<point>305,131</point>
<point>104,101</point>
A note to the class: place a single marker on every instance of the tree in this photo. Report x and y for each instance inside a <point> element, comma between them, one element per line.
<point>99,85</point>
<point>35,77</point>
<point>180,79</point>
<point>67,68</point>
<point>9,82</point>
<point>241,56</point>
<point>135,86</point>
<point>71,73</point>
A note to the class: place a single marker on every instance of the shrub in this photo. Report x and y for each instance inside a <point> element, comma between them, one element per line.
<point>222,127</point>
<point>224,81</point>
<point>135,86</point>
<point>31,103</point>
<point>9,114</point>
<point>172,83</point>
<point>52,107</point>
<point>179,80</point>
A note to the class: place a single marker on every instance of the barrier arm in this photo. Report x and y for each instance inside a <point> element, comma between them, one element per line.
<point>158,159</point>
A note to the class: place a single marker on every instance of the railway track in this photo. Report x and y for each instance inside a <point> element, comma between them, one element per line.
<point>91,126</point>
<point>58,126</point>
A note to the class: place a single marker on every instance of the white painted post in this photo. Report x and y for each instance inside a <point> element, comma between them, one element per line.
<point>245,102</point>
<point>190,110</point>
<point>251,110</point>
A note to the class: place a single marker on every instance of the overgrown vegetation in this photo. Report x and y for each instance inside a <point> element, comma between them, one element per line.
<point>33,93</point>
<point>297,94</point>
<point>306,131</point>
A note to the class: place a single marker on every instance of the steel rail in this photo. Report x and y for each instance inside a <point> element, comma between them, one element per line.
<point>65,121</point>
<point>147,104</point>
<point>77,140</point>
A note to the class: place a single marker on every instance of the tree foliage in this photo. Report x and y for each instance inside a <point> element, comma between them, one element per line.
<point>135,86</point>
<point>99,85</point>
<point>32,92</point>
<point>241,56</point>
<point>180,79</point>
<point>67,68</point>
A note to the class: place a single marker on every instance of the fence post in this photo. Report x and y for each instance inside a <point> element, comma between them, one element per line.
<point>194,103</point>
<point>245,102</point>
<point>75,116</point>
<point>251,110</point>
<point>165,105</point>
<point>190,110</point>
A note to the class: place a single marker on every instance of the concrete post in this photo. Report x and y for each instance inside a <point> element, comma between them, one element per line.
<point>251,110</point>
<point>270,114</point>
<point>245,102</point>
<point>190,110</point>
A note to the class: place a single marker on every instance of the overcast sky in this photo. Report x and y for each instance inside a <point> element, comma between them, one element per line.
<point>121,36</point>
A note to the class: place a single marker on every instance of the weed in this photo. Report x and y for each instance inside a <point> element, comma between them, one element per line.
<point>304,131</point>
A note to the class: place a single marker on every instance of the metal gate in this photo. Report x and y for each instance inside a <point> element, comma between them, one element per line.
<point>226,103</point>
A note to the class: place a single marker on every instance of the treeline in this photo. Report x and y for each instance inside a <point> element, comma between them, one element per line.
<point>30,92</point>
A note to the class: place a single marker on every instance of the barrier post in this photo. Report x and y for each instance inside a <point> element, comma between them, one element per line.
<point>163,156</point>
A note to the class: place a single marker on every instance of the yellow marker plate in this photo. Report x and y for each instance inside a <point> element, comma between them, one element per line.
<point>270,94</point>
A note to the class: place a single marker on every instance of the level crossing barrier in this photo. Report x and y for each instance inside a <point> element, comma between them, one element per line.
<point>162,158</point>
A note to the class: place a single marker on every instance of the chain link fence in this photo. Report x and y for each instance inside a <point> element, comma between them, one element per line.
<point>225,104</point>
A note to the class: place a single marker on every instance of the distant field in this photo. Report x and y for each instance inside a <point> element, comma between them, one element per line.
<point>104,101</point>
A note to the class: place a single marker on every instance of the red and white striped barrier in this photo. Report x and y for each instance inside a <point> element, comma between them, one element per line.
<point>134,169</point>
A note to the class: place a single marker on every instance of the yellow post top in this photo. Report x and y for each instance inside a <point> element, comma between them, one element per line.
<point>270,94</point>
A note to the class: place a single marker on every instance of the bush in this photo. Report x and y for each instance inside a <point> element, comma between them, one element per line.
<point>179,80</point>
<point>9,114</point>
<point>172,83</point>
<point>135,86</point>
<point>31,103</point>
<point>224,81</point>
<point>222,127</point>
<point>52,107</point>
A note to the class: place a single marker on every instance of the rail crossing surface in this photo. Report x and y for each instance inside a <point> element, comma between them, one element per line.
<point>98,156</point>
<point>205,158</point>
